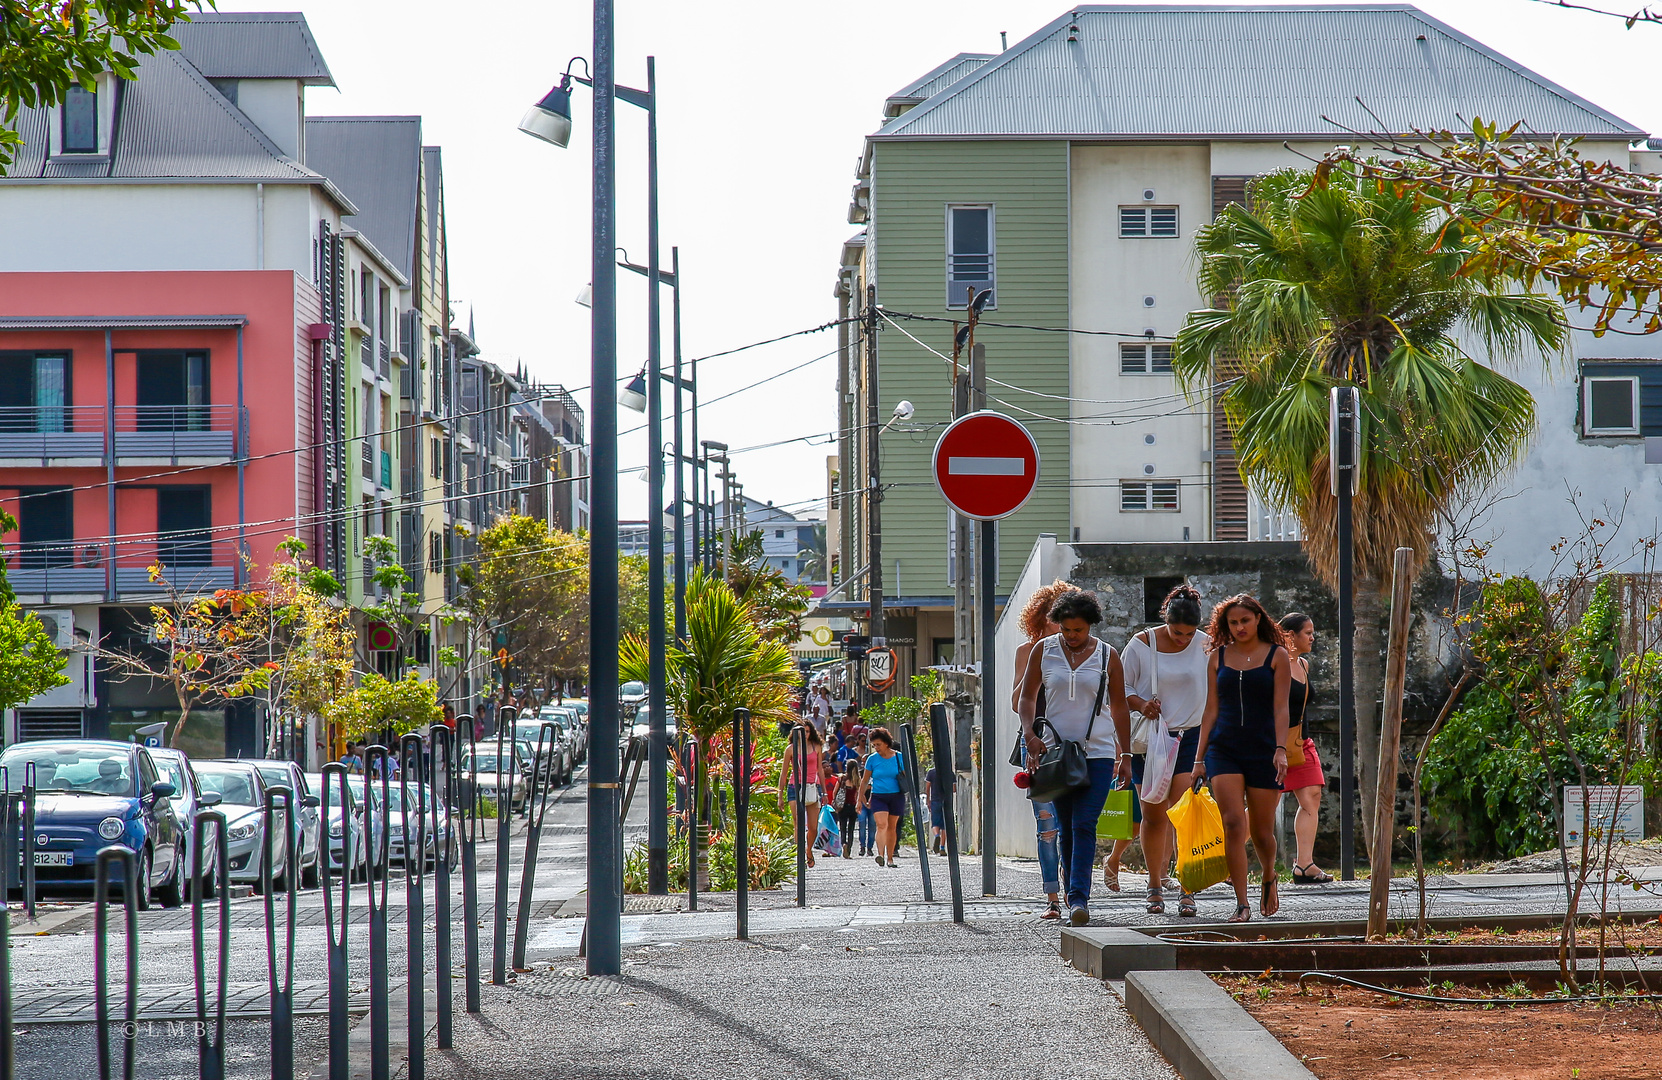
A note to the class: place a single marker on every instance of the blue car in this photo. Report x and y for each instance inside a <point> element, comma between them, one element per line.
<point>92,794</point>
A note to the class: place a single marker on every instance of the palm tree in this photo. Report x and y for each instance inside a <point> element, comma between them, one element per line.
<point>1354,281</point>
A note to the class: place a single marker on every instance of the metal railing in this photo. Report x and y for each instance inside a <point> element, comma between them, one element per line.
<point>171,432</point>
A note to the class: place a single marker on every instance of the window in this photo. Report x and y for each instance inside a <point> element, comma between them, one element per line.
<point>969,254</point>
<point>1610,405</point>
<point>183,518</point>
<point>46,527</point>
<point>1148,221</point>
<point>435,555</point>
<point>172,391</point>
<point>1147,495</point>
<point>779,534</point>
<point>1145,358</point>
<point>80,121</point>
<point>34,391</point>
<point>437,466</point>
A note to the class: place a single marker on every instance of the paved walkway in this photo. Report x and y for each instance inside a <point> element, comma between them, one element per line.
<point>73,1005</point>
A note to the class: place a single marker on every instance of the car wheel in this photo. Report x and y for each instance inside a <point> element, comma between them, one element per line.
<point>172,894</point>
<point>141,881</point>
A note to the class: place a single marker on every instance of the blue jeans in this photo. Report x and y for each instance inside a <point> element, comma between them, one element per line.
<point>868,830</point>
<point>1077,814</point>
<point>1044,818</point>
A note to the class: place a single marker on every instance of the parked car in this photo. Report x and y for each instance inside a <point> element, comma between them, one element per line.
<point>576,729</point>
<point>92,794</point>
<point>642,727</point>
<point>559,757</point>
<point>487,776</point>
<point>438,831</point>
<point>279,773</point>
<point>188,801</point>
<point>630,696</point>
<point>242,792</point>
<point>347,851</point>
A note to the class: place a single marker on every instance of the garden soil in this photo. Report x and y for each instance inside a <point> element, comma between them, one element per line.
<point>1642,853</point>
<point>1346,1034</point>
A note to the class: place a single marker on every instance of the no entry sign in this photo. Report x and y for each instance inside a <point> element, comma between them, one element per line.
<point>986,465</point>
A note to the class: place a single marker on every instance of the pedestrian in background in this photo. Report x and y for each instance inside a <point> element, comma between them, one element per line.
<point>1304,778</point>
<point>1081,677</point>
<point>846,802</point>
<point>804,785</point>
<point>935,791</point>
<point>881,790</point>
<point>1243,740</point>
<point>1035,624</point>
<point>1166,678</point>
<point>353,760</point>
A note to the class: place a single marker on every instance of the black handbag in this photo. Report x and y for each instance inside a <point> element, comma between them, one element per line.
<point>1064,768</point>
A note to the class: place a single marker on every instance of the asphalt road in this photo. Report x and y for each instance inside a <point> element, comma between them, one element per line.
<point>52,971</point>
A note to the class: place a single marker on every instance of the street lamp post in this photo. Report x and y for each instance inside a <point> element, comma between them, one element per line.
<point>1343,459</point>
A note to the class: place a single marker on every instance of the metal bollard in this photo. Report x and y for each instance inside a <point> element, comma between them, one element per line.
<point>282,989</point>
<point>334,776</point>
<point>380,876</point>
<point>415,907</point>
<point>28,842</point>
<point>694,813</point>
<point>210,1052</point>
<point>799,769</point>
<point>914,769</point>
<point>535,811</point>
<point>8,1044</point>
<point>741,814</point>
<point>941,733</point>
<point>100,939</point>
<point>11,817</point>
<point>505,717</point>
<point>470,868</point>
<point>439,781</point>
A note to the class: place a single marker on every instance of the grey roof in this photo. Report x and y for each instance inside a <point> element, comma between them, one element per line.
<point>253,45</point>
<point>433,168</point>
<point>170,124</point>
<point>939,79</point>
<point>1243,71</point>
<point>123,322</point>
<point>376,161</point>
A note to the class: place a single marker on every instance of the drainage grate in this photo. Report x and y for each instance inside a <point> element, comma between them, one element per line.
<point>568,983</point>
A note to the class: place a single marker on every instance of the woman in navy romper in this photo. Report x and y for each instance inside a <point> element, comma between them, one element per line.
<point>1243,740</point>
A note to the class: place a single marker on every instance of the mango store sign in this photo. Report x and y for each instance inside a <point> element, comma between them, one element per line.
<point>1605,812</point>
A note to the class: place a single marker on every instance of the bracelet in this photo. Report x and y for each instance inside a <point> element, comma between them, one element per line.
<point>1126,754</point>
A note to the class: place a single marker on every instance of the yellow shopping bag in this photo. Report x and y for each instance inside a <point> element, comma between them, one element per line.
<point>1200,857</point>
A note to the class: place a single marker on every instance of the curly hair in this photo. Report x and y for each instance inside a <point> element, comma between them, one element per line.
<point>1218,628</point>
<point>1035,617</point>
<point>1076,604</point>
<point>1182,606</point>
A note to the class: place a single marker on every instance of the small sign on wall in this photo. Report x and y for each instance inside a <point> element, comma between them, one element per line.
<point>1607,813</point>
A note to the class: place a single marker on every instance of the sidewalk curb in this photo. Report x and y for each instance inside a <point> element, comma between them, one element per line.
<point>1204,1032</point>
<point>1112,952</point>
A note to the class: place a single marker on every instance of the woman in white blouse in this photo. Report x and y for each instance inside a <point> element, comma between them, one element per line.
<point>1166,682</point>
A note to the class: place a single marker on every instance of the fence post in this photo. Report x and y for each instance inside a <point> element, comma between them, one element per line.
<point>29,839</point>
<point>439,775</point>
<point>941,734</point>
<point>741,815</point>
<point>380,874</point>
<point>470,867</point>
<point>415,907</point>
<point>799,768</point>
<point>282,990</point>
<point>914,769</point>
<point>334,776</point>
<point>505,717</point>
<point>100,939</point>
<point>1390,736</point>
<point>8,1044</point>
<point>536,809</point>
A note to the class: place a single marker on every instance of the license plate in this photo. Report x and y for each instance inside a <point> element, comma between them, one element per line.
<point>54,858</point>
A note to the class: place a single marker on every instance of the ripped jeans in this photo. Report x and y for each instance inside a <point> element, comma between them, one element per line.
<point>1050,860</point>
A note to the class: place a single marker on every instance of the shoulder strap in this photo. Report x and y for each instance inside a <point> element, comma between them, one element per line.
<point>1101,689</point>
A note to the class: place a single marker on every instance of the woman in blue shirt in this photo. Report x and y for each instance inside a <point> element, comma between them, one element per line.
<point>881,791</point>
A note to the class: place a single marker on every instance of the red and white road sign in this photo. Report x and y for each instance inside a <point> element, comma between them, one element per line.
<point>986,465</point>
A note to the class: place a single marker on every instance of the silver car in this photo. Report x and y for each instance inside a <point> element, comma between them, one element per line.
<point>485,776</point>
<point>347,852</point>
<point>277,773</point>
<point>242,801</point>
<point>189,800</point>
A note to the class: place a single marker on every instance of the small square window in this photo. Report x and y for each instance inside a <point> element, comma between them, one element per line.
<point>1145,358</point>
<point>1142,496</point>
<point>1148,221</point>
<point>779,534</point>
<point>1611,405</point>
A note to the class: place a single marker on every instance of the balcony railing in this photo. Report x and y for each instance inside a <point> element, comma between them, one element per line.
<point>384,368</point>
<point>75,434</point>
<point>192,564</point>
<point>521,474</point>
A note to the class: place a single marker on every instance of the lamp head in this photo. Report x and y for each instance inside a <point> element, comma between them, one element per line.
<point>903,411</point>
<point>633,396</point>
<point>981,300</point>
<point>585,297</point>
<point>550,118</point>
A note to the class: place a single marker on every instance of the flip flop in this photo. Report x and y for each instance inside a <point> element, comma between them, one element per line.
<point>1267,892</point>
<point>1243,913</point>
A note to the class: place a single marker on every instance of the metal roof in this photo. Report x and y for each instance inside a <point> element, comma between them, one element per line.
<point>376,161</point>
<point>1243,71</point>
<point>939,79</point>
<point>170,123</point>
<point>123,322</point>
<point>253,45</point>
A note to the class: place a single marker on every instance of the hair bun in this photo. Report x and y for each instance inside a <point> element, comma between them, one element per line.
<point>1184,591</point>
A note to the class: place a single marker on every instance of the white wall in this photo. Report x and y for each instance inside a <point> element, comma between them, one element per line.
<point>79,226</point>
<point>1109,278</point>
<point>278,109</point>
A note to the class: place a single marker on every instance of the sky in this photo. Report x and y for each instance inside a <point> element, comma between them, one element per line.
<point>763,110</point>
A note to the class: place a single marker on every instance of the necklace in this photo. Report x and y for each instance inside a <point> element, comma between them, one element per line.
<point>1079,651</point>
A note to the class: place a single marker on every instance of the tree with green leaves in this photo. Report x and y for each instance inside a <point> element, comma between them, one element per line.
<point>48,46</point>
<point>775,602</point>
<point>1356,282</point>
<point>30,662</point>
<point>380,705</point>
<point>528,588</point>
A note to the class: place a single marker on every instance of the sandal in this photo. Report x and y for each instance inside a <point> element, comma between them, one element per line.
<point>1110,878</point>
<point>1267,892</point>
<point>1054,911</point>
<point>1156,901</point>
<point>1186,905</point>
<point>1308,874</point>
<point>1243,913</point>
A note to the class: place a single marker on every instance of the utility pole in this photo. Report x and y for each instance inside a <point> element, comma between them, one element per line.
<point>963,566</point>
<point>874,491</point>
<point>1342,456</point>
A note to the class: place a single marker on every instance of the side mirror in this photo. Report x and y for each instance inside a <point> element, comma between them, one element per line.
<point>311,802</point>
<point>211,798</point>
<point>161,789</point>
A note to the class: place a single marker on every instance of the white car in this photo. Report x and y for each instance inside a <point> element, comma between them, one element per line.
<point>347,852</point>
<point>485,776</point>
<point>242,801</point>
<point>278,773</point>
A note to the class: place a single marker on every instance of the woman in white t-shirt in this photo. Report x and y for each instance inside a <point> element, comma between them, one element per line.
<point>1166,681</point>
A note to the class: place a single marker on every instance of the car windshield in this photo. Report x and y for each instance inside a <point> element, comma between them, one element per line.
<point>483,762</point>
<point>174,773</point>
<point>94,770</point>
<point>530,733</point>
<point>632,689</point>
<point>235,786</point>
<point>276,776</point>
